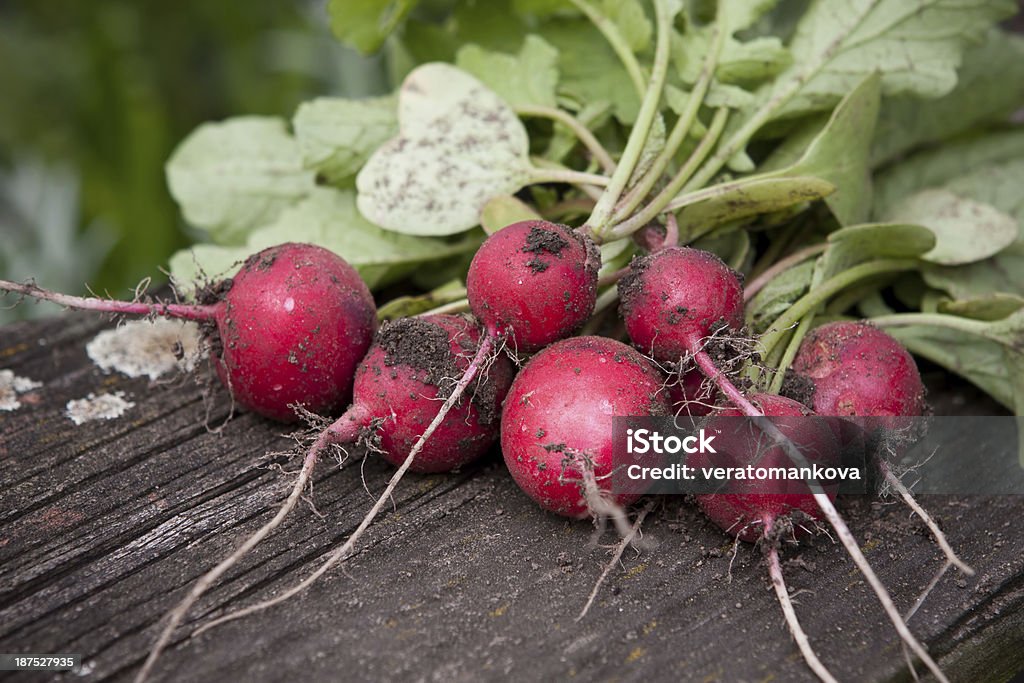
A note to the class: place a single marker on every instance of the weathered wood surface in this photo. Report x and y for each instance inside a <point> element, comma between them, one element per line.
<point>103,526</point>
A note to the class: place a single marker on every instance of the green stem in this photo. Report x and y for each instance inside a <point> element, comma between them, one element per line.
<point>951,322</point>
<point>611,33</point>
<point>794,259</point>
<point>742,136</point>
<point>459,306</point>
<point>791,349</point>
<point>602,213</point>
<point>681,128</point>
<point>824,291</point>
<point>567,175</point>
<point>662,201</point>
<point>581,132</point>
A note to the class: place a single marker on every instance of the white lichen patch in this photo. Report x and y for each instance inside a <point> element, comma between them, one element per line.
<point>12,386</point>
<point>148,348</point>
<point>93,407</point>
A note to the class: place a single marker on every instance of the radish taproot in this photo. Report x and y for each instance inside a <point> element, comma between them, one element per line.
<point>859,372</point>
<point>407,405</point>
<point>765,510</point>
<point>556,426</point>
<point>288,329</point>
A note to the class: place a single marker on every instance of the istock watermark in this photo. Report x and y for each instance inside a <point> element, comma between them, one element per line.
<point>784,455</point>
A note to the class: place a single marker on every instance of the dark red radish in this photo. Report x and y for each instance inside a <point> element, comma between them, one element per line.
<point>559,411</point>
<point>676,297</point>
<point>403,380</point>
<point>858,370</point>
<point>291,327</point>
<point>747,508</point>
<point>864,375</point>
<point>674,300</point>
<point>534,282</point>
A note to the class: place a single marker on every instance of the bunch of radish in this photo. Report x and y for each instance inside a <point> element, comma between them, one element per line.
<point>296,330</point>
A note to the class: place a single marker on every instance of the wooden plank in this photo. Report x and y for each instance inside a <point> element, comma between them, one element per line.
<point>103,526</point>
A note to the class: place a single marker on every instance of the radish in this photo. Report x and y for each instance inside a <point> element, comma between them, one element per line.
<point>751,508</point>
<point>857,370</point>
<point>291,326</point>
<point>407,406</point>
<point>556,431</point>
<point>533,282</point>
<point>673,302</point>
<point>766,511</point>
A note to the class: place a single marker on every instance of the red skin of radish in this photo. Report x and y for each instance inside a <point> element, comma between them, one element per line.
<point>754,500</point>
<point>396,386</point>
<point>689,395</point>
<point>859,370</point>
<point>293,326</point>
<point>564,399</point>
<point>675,297</point>
<point>534,282</point>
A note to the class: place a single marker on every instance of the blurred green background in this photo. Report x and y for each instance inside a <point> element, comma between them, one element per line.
<point>95,95</point>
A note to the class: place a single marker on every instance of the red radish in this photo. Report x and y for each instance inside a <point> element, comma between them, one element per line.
<point>748,508</point>
<point>557,421</point>
<point>674,300</point>
<point>291,327</point>
<point>533,282</point>
<point>407,403</point>
<point>403,381</point>
<point>858,371</point>
<point>676,297</point>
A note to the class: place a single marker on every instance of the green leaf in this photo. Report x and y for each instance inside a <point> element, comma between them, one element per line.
<point>857,244</point>
<point>528,78</point>
<point>365,24</point>
<point>995,306</point>
<point>328,218</point>
<point>632,22</point>
<point>966,231</point>
<point>232,176</point>
<point>778,295</point>
<point>706,210</point>
<point>915,45</point>
<point>987,170</point>
<point>337,135</point>
<point>981,96</point>
<point>839,154</point>
<point>978,360</point>
<point>936,168</point>
<point>505,210</point>
<point>460,146</point>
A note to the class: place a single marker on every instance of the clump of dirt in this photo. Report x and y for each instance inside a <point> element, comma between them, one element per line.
<point>423,345</point>
<point>418,344</point>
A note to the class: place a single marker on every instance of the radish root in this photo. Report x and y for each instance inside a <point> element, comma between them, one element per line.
<point>779,584</point>
<point>620,548</point>
<point>892,480</point>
